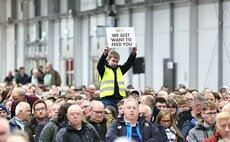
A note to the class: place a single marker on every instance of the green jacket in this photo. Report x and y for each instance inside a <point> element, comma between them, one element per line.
<point>50,130</point>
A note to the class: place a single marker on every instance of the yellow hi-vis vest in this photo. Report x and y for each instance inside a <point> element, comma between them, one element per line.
<point>107,84</point>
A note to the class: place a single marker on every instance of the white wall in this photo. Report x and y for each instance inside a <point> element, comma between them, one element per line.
<point>160,42</point>
<point>208,45</point>
<point>181,43</point>
<point>226,44</point>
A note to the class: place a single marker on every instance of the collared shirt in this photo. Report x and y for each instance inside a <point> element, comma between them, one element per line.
<point>20,123</point>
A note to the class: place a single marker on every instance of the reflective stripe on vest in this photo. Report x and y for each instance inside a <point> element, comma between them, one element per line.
<point>107,83</point>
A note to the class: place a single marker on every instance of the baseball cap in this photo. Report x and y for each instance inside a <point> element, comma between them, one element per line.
<point>134,92</point>
<point>2,107</point>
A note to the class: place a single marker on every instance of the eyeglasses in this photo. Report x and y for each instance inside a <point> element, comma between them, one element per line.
<point>183,106</point>
<point>40,109</point>
<point>166,121</point>
<point>74,114</point>
<point>98,112</point>
<point>211,113</point>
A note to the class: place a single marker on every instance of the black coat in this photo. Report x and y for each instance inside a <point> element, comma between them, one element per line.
<point>149,131</point>
<point>69,134</point>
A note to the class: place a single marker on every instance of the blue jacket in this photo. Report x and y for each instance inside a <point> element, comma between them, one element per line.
<point>188,125</point>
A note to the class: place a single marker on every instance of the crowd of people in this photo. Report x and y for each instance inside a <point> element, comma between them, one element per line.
<point>38,109</point>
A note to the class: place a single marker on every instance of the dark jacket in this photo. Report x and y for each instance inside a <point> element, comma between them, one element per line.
<point>186,115</point>
<point>22,79</point>
<point>155,113</point>
<point>149,131</point>
<point>164,135</point>
<point>70,134</point>
<point>101,127</point>
<point>188,125</point>
<point>124,68</point>
<point>31,128</point>
<point>29,99</point>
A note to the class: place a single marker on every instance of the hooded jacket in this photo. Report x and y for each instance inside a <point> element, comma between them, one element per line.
<point>199,132</point>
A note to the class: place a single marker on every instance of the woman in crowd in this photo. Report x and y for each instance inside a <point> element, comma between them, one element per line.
<point>165,121</point>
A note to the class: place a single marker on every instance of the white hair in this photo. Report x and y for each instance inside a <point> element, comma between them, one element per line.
<point>226,108</point>
<point>21,106</point>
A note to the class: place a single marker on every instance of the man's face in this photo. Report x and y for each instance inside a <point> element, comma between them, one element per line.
<point>113,62</point>
<point>40,111</point>
<point>184,107</point>
<point>54,110</point>
<point>97,113</point>
<point>161,106</point>
<point>209,116</point>
<point>75,116</point>
<point>142,111</point>
<point>131,111</point>
<point>3,113</point>
<point>189,98</point>
<point>85,105</point>
<point>48,68</point>
<point>26,113</point>
<point>223,128</point>
<point>16,97</point>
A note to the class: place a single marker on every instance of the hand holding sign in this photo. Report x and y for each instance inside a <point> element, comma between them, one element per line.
<point>134,50</point>
<point>106,50</point>
<point>120,37</point>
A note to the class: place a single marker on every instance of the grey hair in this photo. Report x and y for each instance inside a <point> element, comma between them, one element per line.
<point>198,99</point>
<point>21,106</point>
<point>20,91</point>
<point>131,100</point>
<point>94,103</point>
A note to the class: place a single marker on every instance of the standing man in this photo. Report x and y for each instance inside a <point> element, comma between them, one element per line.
<point>22,77</point>
<point>76,130</point>
<point>112,88</point>
<point>52,77</point>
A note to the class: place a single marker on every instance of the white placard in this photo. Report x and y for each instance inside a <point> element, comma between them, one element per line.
<point>120,37</point>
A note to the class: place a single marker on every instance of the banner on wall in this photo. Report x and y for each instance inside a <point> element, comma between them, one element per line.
<point>120,37</point>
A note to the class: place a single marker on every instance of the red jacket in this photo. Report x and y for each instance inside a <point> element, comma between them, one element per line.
<point>212,139</point>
